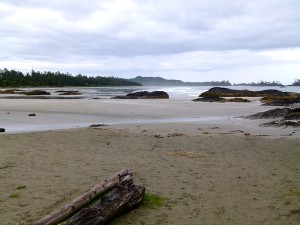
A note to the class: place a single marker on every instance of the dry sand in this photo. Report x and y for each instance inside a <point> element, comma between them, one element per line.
<point>205,164</point>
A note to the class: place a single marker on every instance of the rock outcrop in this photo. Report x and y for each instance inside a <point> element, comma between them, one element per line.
<point>237,100</point>
<point>36,92</point>
<point>285,113</point>
<point>144,95</point>
<point>281,101</point>
<point>210,99</point>
<point>226,92</point>
<point>68,93</point>
<point>219,99</point>
<point>284,116</point>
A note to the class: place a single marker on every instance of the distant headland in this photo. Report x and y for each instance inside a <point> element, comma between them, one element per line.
<point>159,81</point>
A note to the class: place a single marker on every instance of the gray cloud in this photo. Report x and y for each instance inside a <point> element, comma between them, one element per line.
<point>64,32</point>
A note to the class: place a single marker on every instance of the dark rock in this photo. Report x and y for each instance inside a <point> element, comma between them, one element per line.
<point>69,93</point>
<point>11,91</point>
<point>144,95</point>
<point>285,117</point>
<point>2,130</point>
<point>226,92</point>
<point>280,101</point>
<point>32,114</point>
<point>237,100</point>
<point>210,99</point>
<point>98,125</point>
<point>285,113</point>
<point>37,92</point>
<point>280,123</point>
<point>216,98</point>
<point>96,98</point>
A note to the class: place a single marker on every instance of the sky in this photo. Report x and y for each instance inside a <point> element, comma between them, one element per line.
<point>190,40</point>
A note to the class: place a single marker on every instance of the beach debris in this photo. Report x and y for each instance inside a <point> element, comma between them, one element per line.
<point>122,195</point>
<point>158,136</point>
<point>98,125</point>
<point>144,95</point>
<point>2,129</point>
<point>188,154</point>
<point>206,132</point>
<point>96,98</point>
<point>237,131</point>
<point>175,135</point>
<point>31,114</point>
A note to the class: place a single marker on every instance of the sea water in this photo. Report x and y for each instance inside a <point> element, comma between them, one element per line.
<point>175,92</point>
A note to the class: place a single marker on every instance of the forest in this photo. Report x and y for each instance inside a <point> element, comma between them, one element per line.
<point>296,82</point>
<point>261,83</point>
<point>13,78</point>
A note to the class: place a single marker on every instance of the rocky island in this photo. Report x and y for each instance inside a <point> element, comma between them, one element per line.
<point>270,97</point>
<point>144,95</point>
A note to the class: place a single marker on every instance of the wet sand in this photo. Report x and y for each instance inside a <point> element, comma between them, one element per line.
<point>62,114</point>
<point>210,171</point>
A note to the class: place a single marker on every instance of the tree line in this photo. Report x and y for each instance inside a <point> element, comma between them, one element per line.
<point>296,82</point>
<point>261,83</point>
<point>13,78</point>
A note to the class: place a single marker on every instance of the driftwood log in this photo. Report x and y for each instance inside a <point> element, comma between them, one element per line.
<point>83,200</point>
<point>122,198</point>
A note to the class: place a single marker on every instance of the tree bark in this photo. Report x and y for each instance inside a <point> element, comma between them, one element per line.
<point>83,200</point>
<point>122,198</point>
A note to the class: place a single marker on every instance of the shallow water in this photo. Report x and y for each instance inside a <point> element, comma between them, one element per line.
<point>176,92</point>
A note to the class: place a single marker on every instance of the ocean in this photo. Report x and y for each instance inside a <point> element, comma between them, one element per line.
<point>176,92</point>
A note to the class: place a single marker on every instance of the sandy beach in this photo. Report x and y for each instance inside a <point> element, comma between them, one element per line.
<point>210,165</point>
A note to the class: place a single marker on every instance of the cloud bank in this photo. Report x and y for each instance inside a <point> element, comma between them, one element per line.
<point>190,40</point>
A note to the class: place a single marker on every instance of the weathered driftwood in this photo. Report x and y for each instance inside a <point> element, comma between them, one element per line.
<point>123,197</point>
<point>83,200</point>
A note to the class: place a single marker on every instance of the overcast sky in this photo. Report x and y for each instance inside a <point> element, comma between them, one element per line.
<point>191,40</point>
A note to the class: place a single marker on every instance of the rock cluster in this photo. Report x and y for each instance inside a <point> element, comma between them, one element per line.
<point>270,97</point>
<point>281,101</point>
<point>219,99</point>
<point>226,92</point>
<point>36,92</point>
<point>68,92</point>
<point>144,95</point>
<point>285,115</point>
